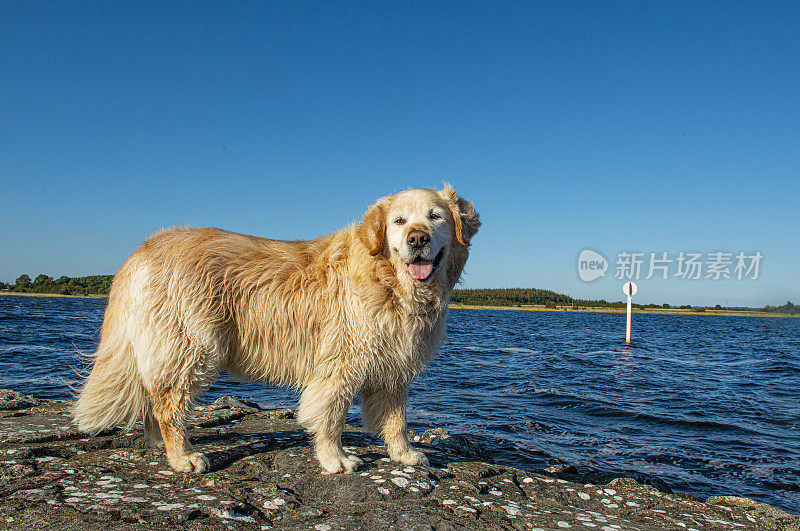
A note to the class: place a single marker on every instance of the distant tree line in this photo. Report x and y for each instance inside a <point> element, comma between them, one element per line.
<point>92,285</point>
<point>551,299</point>
<point>531,296</point>
<point>786,308</point>
<point>508,297</point>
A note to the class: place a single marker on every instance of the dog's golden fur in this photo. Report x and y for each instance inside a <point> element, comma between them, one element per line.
<point>335,316</point>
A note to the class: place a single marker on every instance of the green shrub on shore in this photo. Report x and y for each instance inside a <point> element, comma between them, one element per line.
<point>508,297</point>
<point>91,285</point>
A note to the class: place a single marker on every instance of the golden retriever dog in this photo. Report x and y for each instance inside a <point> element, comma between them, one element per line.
<point>360,310</point>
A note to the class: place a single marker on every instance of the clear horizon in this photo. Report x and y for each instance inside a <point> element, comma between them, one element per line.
<point>646,128</point>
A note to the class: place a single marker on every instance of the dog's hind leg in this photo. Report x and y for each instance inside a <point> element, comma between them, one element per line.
<point>169,408</point>
<point>323,411</point>
<point>384,411</point>
<point>152,432</point>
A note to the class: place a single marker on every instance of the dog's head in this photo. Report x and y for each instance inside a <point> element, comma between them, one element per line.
<point>425,234</point>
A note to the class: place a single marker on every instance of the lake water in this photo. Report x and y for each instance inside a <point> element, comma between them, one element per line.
<point>709,405</point>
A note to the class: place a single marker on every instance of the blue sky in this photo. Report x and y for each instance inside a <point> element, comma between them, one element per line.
<point>649,127</point>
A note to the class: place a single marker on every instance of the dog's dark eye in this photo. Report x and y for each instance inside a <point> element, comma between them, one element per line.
<point>399,221</point>
<point>434,215</point>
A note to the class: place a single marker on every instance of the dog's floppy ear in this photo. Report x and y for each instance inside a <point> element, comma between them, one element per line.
<point>372,229</point>
<point>464,216</point>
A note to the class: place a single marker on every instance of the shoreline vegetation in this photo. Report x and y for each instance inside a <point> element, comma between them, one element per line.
<point>520,299</point>
<point>651,311</point>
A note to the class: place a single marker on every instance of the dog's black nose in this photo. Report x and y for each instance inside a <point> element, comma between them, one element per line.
<point>417,239</point>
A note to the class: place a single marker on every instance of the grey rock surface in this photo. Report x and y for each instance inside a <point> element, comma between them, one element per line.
<point>264,476</point>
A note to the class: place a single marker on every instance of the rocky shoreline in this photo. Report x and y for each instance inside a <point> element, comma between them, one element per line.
<point>264,476</point>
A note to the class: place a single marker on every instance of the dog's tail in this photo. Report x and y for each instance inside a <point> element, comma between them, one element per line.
<point>113,393</point>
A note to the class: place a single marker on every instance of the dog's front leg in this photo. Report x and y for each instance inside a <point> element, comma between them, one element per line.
<point>323,411</point>
<point>384,411</point>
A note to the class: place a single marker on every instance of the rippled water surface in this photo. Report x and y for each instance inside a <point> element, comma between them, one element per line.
<point>710,405</point>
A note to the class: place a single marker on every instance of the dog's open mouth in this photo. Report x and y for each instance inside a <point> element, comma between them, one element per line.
<point>423,270</point>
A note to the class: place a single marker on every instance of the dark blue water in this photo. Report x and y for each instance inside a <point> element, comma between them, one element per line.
<point>710,405</point>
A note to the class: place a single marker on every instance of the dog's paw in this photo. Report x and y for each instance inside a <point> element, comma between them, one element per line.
<point>192,463</point>
<point>410,457</point>
<point>340,463</point>
<point>351,462</point>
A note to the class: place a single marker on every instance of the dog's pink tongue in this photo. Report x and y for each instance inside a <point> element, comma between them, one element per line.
<point>421,270</point>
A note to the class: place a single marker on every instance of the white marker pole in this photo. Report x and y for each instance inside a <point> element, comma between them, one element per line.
<point>629,289</point>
